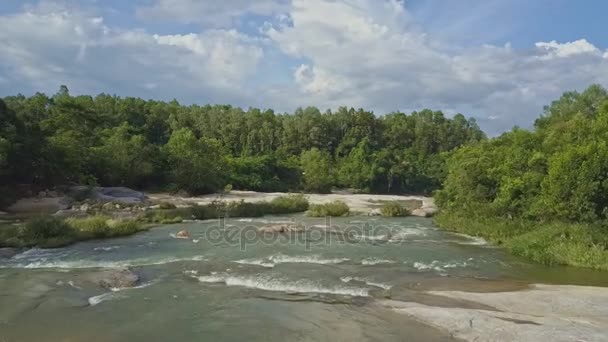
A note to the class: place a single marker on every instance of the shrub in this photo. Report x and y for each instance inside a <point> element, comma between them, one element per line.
<point>394,209</point>
<point>42,228</point>
<point>167,205</point>
<point>335,209</point>
<point>289,204</point>
<point>94,227</point>
<point>124,227</point>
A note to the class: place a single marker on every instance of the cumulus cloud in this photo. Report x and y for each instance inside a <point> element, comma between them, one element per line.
<point>210,12</point>
<point>554,49</point>
<point>326,53</point>
<point>367,53</point>
<point>44,48</point>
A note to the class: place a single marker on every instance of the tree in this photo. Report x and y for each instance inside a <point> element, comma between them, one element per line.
<point>197,165</point>
<point>317,170</point>
<point>125,159</point>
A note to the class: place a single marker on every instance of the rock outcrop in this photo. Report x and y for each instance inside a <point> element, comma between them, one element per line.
<point>184,234</point>
<point>116,278</point>
<point>280,228</point>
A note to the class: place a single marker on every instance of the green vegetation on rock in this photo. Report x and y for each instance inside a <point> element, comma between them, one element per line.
<point>394,209</point>
<point>281,205</point>
<point>332,209</point>
<point>49,232</point>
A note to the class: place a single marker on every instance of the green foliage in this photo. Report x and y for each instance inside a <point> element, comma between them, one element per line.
<point>198,164</point>
<point>51,232</point>
<point>557,172</point>
<point>318,170</point>
<point>394,209</point>
<point>167,205</point>
<point>281,205</point>
<point>333,209</point>
<point>558,243</point>
<point>542,193</point>
<point>45,228</point>
<point>289,204</point>
<point>48,141</point>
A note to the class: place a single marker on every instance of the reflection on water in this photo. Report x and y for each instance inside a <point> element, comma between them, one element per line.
<point>229,283</point>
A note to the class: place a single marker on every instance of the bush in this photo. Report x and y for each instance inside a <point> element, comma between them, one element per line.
<point>335,209</point>
<point>100,227</point>
<point>94,227</point>
<point>42,228</point>
<point>394,209</point>
<point>167,205</point>
<point>124,227</point>
<point>580,245</point>
<point>289,204</point>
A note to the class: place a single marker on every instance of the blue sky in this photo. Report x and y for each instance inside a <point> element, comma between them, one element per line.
<point>497,60</point>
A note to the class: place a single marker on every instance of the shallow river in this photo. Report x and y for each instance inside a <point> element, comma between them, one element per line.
<point>228,283</point>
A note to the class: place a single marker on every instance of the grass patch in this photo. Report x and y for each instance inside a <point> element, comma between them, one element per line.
<point>394,209</point>
<point>50,232</point>
<point>579,245</point>
<point>334,209</point>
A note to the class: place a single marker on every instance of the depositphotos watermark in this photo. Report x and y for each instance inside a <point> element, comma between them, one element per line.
<point>223,233</point>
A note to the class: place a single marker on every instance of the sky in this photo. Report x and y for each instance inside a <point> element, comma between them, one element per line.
<point>499,61</point>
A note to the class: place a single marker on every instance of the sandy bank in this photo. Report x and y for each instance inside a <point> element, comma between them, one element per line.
<point>357,202</point>
<point>542,313</point>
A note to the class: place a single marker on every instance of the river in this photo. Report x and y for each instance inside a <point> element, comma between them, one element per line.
<point>229,283</point>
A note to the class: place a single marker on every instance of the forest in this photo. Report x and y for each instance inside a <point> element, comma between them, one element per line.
<point>542,193</point>
<point>112,141</point>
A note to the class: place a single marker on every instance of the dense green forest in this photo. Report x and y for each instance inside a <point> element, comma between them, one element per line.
<point>542,193</point>
<point>108,140</point>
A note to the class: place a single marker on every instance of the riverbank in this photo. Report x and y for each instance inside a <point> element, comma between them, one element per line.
<point>576,245</point>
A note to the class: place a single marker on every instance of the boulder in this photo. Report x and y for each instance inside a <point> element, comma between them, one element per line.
<point>279,228</point>
<point>7,253</point>
<point>375,212</point>
<point>184,234</point>
<point>420,213</point>
<point>116,279</point>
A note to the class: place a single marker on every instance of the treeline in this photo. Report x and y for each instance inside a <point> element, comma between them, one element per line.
<point>543,193</point>
<point>109,140</point>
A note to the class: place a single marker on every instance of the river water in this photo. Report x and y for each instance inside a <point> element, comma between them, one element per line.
<point>229,283</point>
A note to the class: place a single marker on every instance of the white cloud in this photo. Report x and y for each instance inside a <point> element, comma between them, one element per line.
<point>211,12</point>
<point>361,53</point>
<point>325,53</point>
<point>554,49</point>
<point>43,49</point>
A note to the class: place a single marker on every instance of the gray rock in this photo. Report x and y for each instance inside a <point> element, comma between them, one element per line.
<point>280,228</point>
<point>116,279</point>
<point>7,253</point>
<point>375,212</point>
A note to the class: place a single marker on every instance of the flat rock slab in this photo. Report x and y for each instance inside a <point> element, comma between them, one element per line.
<point>542,313</point>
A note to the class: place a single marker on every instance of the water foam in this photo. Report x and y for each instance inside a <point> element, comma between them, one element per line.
<point>375,261</point>
<point>44,263</point>
<point>367,282</point>
<point>277,259</point>
<point>282,285</point>
<point>439,266</point>
<point>101,298</point>
<point>106,249</point>
<point>472,240</point>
